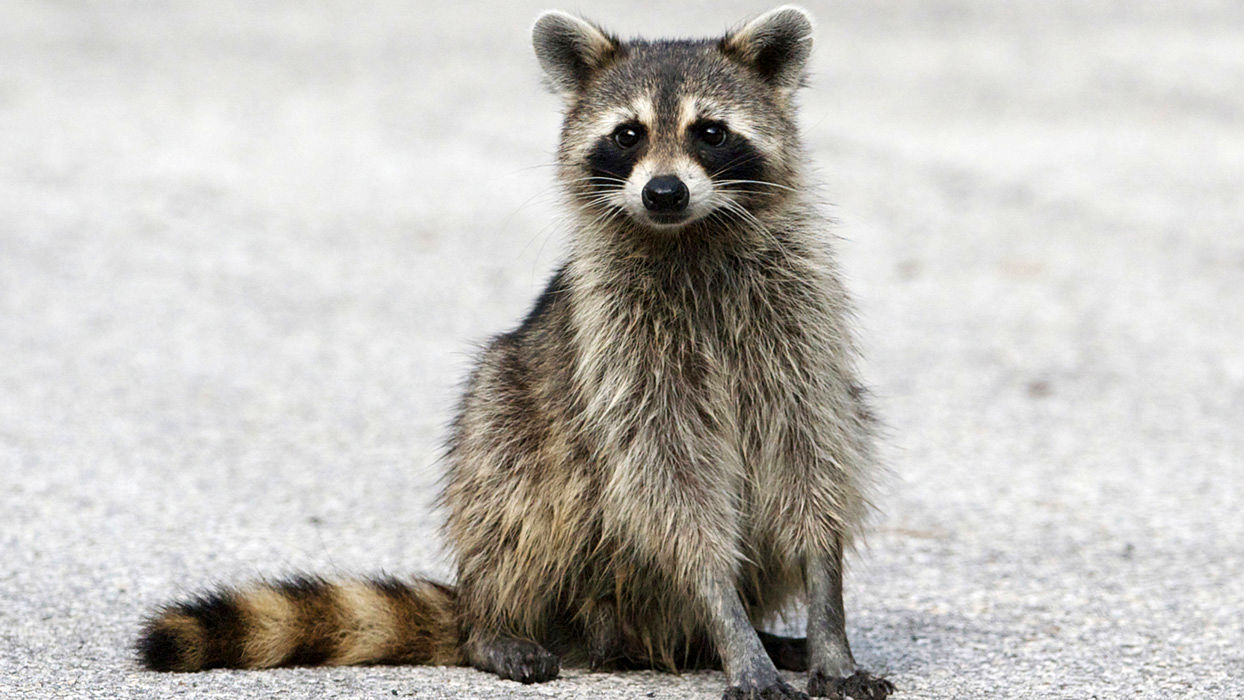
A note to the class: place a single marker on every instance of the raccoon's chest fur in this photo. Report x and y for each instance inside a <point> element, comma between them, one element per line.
<point>744,357</point>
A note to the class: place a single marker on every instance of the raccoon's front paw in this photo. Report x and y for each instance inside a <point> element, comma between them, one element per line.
<point>521,660</point>
<point>779,690</point>
<point>860,685</point>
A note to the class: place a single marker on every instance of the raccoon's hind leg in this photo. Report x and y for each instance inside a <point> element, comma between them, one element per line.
<point>603,633</point>
<point>513,659</point>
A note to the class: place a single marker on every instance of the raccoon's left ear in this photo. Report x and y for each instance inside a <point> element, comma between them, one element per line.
<point>571,50</point>
<point>776,45</point>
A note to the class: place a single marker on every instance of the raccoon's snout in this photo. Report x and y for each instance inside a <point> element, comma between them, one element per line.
<point>666,194</point>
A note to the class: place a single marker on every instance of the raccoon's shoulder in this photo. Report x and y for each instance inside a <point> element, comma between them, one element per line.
<point>540,346</point>
<point>549,314</point>
<point>521,366</point>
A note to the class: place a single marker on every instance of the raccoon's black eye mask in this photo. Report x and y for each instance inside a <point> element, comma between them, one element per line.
<point>614,156</point>
<point>724,155</point>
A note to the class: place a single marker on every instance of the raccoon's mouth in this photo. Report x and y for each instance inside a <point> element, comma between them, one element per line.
<point>669,220</point>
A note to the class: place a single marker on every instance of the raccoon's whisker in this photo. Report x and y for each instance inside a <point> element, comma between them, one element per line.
<point>738,210</point>
<point>605,219</point>
<point>616,214</point>
<point>597,178</point>
<point>599,197</point>
<point>589,185</point>
<point>722,218</point>
<point>731,163</point>
<point>609,212</point>
<point>756,224</point>
<point>730,219</point>
<point>546,233</point>
<point>606,199</point>
<point>532,167</point>
<point>735,190</point>
<point>741,160</point>
<point>755,182</point>
<point>610,173</point>
<point>745,217</point>
<point>505,223</point>
<point>600,218</point>
<point>603,209</point>
<point>603,191</point>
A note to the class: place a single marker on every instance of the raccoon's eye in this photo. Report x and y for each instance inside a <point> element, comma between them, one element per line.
<point>712,133</point>
<point>627,136</point>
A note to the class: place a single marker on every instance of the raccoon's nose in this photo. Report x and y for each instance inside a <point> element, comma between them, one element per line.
<point>666,194</point>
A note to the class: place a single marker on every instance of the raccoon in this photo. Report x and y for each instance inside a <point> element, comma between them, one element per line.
<point>672,447</point>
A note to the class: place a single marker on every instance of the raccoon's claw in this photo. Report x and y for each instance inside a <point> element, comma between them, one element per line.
<point>780,690</point>
<point>534,665</point>
<point>860,685</point>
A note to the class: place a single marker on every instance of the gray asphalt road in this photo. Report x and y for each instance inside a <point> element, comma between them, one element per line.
<point>246,249</point>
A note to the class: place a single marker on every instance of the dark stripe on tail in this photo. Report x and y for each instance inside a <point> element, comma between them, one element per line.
<point>305,621</point>
<point>317,620</point>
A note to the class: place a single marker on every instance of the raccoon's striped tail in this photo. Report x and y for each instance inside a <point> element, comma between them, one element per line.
<point>306,621</point>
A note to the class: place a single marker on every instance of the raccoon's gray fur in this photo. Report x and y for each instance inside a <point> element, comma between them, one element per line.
<point>672,447</point>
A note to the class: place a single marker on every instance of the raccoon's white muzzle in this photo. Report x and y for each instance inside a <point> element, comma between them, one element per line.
<point>668,193</point>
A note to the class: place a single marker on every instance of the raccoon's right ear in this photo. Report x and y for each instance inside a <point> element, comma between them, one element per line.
<point>571,50</point>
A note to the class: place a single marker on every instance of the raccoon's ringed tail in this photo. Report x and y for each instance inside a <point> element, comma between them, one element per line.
<point>306,621</point>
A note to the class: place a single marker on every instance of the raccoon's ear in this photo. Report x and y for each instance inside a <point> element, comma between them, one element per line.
<point>776,45</point>
<point>570,50</point>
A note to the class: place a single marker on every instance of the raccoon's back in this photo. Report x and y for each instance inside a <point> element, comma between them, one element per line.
<point>305,621</point>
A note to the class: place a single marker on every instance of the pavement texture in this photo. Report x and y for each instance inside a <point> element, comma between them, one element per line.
<point>247,250</point>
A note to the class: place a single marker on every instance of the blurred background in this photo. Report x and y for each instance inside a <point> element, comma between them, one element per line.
<point>247,250</point>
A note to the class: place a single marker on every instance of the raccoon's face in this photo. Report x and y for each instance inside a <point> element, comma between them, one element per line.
<point>668,133</point>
